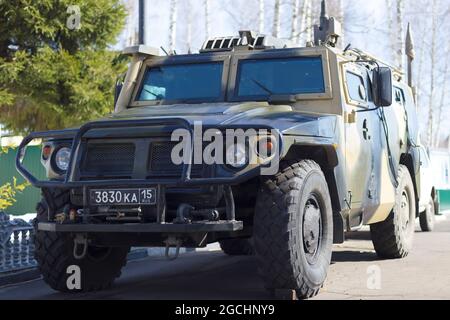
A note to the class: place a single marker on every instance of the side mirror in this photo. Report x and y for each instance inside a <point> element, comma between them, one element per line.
<point>382,86</point>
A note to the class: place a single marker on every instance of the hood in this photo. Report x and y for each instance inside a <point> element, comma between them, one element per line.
<point>281,117</point>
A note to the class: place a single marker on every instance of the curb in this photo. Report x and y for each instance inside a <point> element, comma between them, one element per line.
<point>15,277</point>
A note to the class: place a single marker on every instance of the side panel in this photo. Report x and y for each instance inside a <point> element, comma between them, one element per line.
<point>370,189</point>
<point>394,142</point>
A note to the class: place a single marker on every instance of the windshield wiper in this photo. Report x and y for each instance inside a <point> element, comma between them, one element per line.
<point>157,96</point>
<point>259,84</point>
<point>276,98</point>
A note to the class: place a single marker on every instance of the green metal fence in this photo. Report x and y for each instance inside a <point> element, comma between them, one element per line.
<point>444,199</point>
<point>26,200</point>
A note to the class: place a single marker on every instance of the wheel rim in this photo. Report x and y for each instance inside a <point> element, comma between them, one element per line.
<point>404,211</point>
<point>430,213</point>
<point>312,229</point>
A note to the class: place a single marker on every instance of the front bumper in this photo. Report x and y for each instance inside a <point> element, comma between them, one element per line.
<point>145,228</point>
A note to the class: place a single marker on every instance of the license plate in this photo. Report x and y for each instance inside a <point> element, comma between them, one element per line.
<point>144,196</point>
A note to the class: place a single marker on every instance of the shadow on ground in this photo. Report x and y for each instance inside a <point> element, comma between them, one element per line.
<point>353,256</point>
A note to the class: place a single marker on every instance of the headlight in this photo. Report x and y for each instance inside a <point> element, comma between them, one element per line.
<point>236,155</point>
<point>62,158</point>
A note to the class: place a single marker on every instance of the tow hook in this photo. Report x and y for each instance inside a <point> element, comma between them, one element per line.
<point>183,213</point>
<point>80,245</point>
<point>172,242</point>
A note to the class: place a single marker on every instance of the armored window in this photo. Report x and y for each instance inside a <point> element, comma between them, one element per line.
<point>356,87</point>
<point>262,78</point>
<point>181,82</point>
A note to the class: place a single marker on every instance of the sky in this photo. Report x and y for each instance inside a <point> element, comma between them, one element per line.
<point>222,24</point>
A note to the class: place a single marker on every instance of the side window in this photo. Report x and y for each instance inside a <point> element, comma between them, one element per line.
<point>356,87</point>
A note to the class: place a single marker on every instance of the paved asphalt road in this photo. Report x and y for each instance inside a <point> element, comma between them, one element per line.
<point>424,274</point>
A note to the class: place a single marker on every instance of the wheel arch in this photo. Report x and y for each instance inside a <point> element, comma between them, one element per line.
<point>326,157</point>
<point>407,160</point>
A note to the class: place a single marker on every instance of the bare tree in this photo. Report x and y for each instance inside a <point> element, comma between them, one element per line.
<point>276,18</point>
<point>309,19</point>
<point>434,31</point>
<point>341,18</point>
<point>443,99</point>
<point>295,4</point>
<point>261,15</point>
<point>189,26</point>
<point>400,36</point>
<point>390,29</point>
<point>419,72</point>
<point>173,25</point>
<point>131,34</point>
<point>303,25</point>
<point>207,9</point>
<point>248,15</point>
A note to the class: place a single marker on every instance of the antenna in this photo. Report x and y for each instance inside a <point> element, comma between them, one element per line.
<point>410,53</point>
<point>141,22</point>
<point>323,14</point>
<point>329,30</point>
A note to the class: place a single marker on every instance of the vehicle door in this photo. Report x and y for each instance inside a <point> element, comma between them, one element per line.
<point>426,178</point>
<point>362,142</point>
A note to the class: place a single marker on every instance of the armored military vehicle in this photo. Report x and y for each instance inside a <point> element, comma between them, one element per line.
<point>337,125</point>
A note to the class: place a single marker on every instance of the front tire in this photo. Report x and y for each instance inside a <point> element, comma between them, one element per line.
<point>54,255</point>
<point>293,229</point>
<point>393,237</point>
<point>237,247</point>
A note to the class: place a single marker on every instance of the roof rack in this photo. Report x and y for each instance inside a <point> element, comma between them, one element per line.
<point>249,39</point>
<point>367,56</point>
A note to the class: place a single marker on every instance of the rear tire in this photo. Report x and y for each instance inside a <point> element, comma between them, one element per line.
<point>54,254</point>
<point>293,229</point>
<point>436,205</point>
<point>427,217</point>
<point>393,237</point>
<point>237,247</point>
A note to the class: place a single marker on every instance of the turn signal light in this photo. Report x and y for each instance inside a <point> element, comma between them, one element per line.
<point>265,147</point>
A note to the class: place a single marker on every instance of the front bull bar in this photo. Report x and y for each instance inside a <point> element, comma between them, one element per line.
<point>185,180</point>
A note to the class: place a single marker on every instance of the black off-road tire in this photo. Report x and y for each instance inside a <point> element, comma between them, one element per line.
<point>54,254</point>
<point>288,257</point>
<point>427,217</point>
<point>437,209</point>
<point>237,247</point>
<point>393,237</point>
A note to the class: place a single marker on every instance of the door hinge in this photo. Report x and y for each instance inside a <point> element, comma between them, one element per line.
<point>350,117</point>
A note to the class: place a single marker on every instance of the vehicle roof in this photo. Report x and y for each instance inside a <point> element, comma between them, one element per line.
<point>350,55</point>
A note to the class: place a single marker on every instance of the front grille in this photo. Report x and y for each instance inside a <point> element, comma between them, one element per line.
<point>109,158</point>
<point>116,160</point>
<point>161,163</point>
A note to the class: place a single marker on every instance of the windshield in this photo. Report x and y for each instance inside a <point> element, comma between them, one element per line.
<point>200,81</point>
<point>281,76</point>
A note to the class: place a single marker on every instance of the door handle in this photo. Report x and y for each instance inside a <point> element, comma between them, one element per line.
<point>365,130</point>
